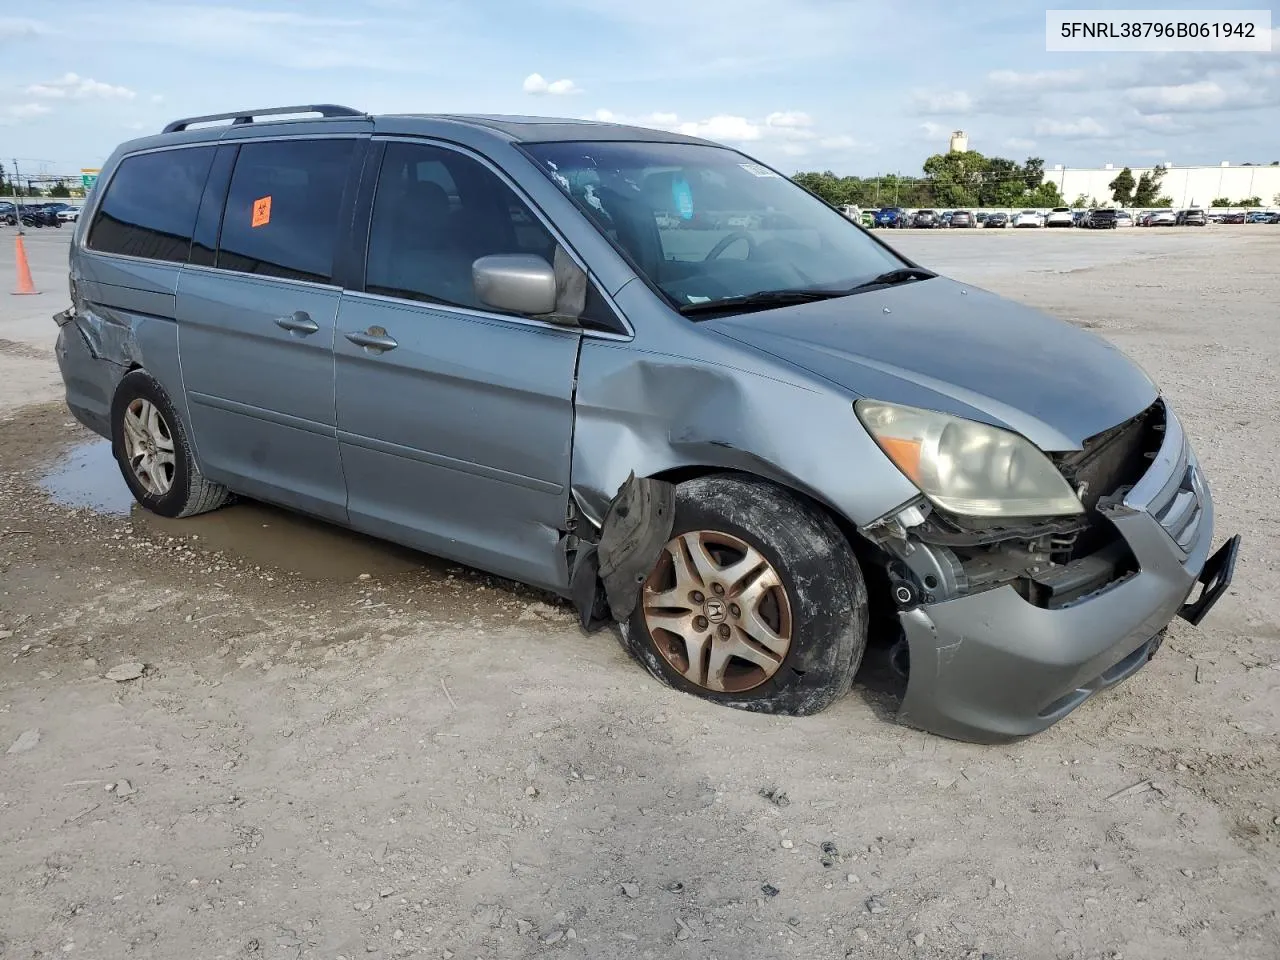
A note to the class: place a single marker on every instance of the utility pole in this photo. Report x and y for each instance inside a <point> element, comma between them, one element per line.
<point>17,178</point>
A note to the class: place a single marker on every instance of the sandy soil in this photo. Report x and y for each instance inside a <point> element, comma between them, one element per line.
<point>424,760</point>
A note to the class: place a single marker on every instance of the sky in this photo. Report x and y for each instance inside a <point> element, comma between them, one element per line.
<point>855,86</point>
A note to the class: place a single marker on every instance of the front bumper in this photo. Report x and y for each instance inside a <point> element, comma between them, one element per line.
<point>992,667</point>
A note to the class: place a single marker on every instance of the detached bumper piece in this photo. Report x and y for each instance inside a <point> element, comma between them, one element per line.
<point>1215,578</point>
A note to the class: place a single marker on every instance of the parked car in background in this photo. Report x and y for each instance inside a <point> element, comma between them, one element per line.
<point>1078,218</point>
<point>962,218</point>
<point>996,220</point>
<point>38,215</point>
<point>734,462</point>
<point>1258,216</point>
<point>1059,217</point>
<point>1192,218</point>
<point>981,217</point>
<point>894,218</point>
<point>924,219</point>
<point>944,218</point>
<point>1101,219</point>
<point>1230,218</point>
<point>1028,218</point>
<point>69,215</point>
<point>1162,218</point>
<point>1124,218</point>
<point>8,213</point>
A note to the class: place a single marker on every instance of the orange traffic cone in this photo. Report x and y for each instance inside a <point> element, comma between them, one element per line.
<point>25,286</point>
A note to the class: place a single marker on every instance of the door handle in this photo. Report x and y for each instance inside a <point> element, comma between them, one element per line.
<point>298,322</point>
<point>375,339</point>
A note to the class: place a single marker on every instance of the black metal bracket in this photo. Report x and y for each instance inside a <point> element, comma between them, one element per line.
<point>1216,577</point>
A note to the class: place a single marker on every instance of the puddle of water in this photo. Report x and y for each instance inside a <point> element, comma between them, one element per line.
<point>88,476</point>
<point>256,533</point>
<point>270,537</point>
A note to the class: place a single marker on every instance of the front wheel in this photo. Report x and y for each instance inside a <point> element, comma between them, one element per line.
<point>756,602</point>
<point>151,446</point>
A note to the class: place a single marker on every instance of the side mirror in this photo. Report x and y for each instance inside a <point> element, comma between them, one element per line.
<point>515,282</point>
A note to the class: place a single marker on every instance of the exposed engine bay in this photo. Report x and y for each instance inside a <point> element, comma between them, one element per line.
<point>1052,562</point>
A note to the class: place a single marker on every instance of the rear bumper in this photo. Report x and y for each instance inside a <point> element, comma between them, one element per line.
<point>992,667</point>
<point>90,381</point>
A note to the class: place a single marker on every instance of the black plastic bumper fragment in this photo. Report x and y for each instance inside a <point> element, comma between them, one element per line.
<point>1215,578</point>
<point>636,528</point>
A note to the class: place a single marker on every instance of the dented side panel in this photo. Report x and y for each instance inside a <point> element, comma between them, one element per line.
<point>124,317</point>
<point>703,401</point>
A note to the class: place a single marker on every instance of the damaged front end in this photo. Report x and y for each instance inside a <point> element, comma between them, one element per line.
<point>1008,626</point>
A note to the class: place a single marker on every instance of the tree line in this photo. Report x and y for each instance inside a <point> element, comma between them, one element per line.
<point>958,179</point>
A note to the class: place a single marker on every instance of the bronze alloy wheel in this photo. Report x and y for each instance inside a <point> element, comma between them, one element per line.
<point>717,612</point>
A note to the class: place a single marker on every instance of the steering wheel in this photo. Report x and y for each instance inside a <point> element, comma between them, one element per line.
<point>727,241</point>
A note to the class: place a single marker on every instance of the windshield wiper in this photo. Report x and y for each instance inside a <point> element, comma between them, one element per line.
<point>892,277</point>
<point>763,299</point>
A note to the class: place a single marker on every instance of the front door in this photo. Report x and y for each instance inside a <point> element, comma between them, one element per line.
<point>455,423</point>
<point>256,327</point>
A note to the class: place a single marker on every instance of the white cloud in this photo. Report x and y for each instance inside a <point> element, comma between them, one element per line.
<point>22,111</point>
<point>14,28</point>
<point>1085,127</point>
<point>944,102</point>
<point>1204,95</point>
<point>1159,122</point>
<point>538,85</point>
<point>788,133</point>
<point>723,127</point>
<point>1018,143</point>
<point>790,120</point>
<point>1038,80</point>
<point>72,86</point>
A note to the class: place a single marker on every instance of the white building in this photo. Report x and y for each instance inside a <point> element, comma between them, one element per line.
<point>959,142</point>
<point>1185,186</point>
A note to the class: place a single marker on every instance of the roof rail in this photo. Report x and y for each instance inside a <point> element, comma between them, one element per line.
<point>247,116</point>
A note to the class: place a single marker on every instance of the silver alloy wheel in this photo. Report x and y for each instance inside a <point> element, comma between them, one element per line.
<point>717,612</point>
<point>148,444</point>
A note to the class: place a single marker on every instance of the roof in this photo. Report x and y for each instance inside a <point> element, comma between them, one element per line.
<point>521,129</point>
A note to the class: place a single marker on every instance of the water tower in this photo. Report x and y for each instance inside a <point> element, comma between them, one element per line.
<point>959,141</point>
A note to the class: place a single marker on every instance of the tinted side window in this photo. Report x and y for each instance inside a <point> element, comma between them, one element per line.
<point>149,208</point>
<point>435,212</point>
<point>281,217</point>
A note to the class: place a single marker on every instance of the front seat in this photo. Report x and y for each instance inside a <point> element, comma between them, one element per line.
<point>635,229</point>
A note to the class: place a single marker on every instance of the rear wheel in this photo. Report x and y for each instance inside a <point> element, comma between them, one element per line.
<point>756,602</point>
<point>151,446</point>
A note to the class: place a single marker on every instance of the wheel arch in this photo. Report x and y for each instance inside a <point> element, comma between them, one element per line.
<point>638,525</point>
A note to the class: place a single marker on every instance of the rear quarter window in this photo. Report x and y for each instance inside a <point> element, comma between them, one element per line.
<point>149,209</point>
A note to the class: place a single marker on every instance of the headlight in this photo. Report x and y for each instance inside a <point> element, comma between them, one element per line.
<point>968,468</point>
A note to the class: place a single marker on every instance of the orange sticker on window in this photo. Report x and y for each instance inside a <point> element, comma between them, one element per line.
<point>261,212</point>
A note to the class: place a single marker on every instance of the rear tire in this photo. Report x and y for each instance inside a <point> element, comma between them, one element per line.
<point>150,444</point>
<point>804,595</point>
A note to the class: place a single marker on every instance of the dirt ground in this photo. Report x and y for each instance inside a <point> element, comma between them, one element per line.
<point>341,749</point>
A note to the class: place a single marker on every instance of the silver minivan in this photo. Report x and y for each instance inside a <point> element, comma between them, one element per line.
<point>652,375</point>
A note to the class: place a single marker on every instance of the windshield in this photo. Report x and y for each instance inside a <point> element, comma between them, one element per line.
<point>705,223</point>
